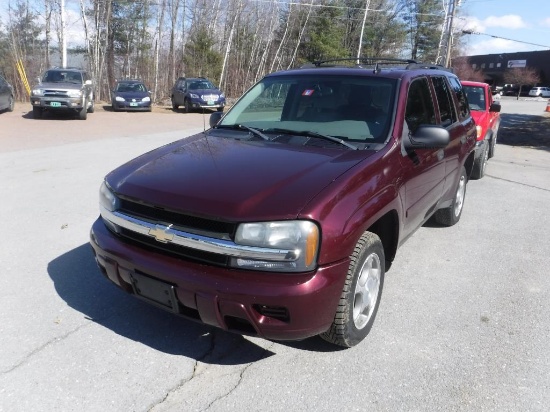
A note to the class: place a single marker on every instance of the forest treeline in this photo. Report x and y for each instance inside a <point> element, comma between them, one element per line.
<point>232,42</point>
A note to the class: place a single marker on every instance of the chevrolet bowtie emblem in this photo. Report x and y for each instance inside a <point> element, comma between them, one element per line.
<point>160,233</point>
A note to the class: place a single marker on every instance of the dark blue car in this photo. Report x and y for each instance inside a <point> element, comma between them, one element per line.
<point>194,93</point>
<point>131,95</point>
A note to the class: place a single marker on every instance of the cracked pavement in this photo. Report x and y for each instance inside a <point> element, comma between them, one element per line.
<point>462,324</point>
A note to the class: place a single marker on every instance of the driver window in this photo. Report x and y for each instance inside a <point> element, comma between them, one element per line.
<point>420,108</point>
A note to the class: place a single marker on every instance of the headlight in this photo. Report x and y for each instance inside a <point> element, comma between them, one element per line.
<point>193,96</point>
<point>146,99</point>
<point>107,198</point>
<point>38,92</point>
<point>74,93</point>
<point>119,99</point>
<point>299,237</point>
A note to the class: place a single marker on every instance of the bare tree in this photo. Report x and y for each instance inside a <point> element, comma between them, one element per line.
<point>522,76</point>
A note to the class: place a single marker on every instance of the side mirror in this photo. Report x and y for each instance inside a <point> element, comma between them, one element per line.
<point>495,107</point>
<point>215,118</point>
<point>427,137</point>
<point>38,80</point>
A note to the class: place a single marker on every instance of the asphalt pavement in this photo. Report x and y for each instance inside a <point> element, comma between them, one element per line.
<point>463,323</point>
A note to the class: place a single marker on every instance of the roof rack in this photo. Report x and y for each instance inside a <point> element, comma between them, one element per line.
<point>410,64</point>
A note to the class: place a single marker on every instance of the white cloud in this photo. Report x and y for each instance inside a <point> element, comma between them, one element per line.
<point>493,46</point>
<point>545,22</point>
<point>510,21</point>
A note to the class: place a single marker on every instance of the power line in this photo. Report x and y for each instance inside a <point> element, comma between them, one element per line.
<point>503,38</point>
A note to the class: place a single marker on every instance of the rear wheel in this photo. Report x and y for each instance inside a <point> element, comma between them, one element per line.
<point>361,293</point>
<point>451,215</point>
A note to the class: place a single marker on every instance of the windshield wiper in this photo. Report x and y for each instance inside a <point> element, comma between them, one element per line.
<point>308,133</point>
<point>252,130</point>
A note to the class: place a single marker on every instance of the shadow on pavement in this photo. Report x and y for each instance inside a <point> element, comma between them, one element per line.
<point>524,131</point>
<point>79,282</point>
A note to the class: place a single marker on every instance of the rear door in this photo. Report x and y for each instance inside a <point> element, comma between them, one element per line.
<point>424,169</point>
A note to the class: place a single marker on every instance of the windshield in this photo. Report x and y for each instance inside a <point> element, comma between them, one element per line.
<point>202,84</point>
<point>58,76</point>
<point>476,97</point>
<point>353,108</point>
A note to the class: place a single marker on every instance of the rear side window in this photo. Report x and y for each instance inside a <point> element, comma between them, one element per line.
<point>463,109</point>
<point>420,108</point>
<point>444,101</point>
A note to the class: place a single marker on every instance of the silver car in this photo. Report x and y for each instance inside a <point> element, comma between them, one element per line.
<point>540,92</point>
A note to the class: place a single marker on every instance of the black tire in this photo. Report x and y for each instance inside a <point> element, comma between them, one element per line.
<point>451,215</point>
<point>361,293</point>
<point>83,113</point>
<point>91,109</point>
<point>175,106</point>
<point>480,164</point>
<point>187,106</point>
<point>37,112</point>
<point>492,146</point>
<point>11,104</point>
<point>219,109</point>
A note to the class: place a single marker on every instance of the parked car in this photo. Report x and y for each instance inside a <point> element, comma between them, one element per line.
<point>63,90</point>
<point>486,114</point>
<point>281,220</point>
<point>195,93</point>
<point>540,92</point>
<point>7,101</point>
<point>131,95</point>
<point>515,90</point>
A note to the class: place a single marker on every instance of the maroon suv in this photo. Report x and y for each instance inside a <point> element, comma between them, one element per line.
<point>281,219</point>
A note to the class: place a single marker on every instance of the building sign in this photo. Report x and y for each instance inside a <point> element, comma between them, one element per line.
<point>512,64</point>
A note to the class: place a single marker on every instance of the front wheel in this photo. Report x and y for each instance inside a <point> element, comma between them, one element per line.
<point>451,215</point>
<point>187,106</point>
<point>91,109</point>
<point>11,104</point>
<point>361,294</point>
<point>83,113</point>
<point>37,112</point>
<point>480,164</point>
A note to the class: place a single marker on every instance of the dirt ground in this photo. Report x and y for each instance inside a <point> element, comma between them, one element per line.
<point>19,130</point>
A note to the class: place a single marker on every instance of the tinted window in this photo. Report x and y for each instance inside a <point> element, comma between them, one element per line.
<point>463,109</point>
<point>444,101</point>
<point>420,108</point>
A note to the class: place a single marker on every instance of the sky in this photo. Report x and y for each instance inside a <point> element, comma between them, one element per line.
<point>526,21</point>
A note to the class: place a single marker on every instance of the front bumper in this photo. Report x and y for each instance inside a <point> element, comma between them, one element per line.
<point>132,106</point>
<point>277,306</point>
<point>58,103</point>
<point>201,104</point>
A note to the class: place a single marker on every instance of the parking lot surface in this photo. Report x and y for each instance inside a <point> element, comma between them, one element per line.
<point>463,323</point>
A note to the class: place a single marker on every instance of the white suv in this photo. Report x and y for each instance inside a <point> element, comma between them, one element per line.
<point>540,92</point>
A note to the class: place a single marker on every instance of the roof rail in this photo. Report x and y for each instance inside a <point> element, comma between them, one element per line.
<point>429,66</point>
<point>360,61</point>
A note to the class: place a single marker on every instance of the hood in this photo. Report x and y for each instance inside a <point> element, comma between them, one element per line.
<point>59,85</point>
<point>205,91</point>
<point>132,95</point>
<point>230,179</point>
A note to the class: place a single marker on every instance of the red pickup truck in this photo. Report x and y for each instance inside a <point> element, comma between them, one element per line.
<point>486,114</point>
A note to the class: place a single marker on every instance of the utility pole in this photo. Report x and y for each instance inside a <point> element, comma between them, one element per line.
<point>63,37</point>
<point>446,40</point>
<point>367,5</point>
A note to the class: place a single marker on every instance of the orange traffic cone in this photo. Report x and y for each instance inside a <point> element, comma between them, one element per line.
<point>548,106</point>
